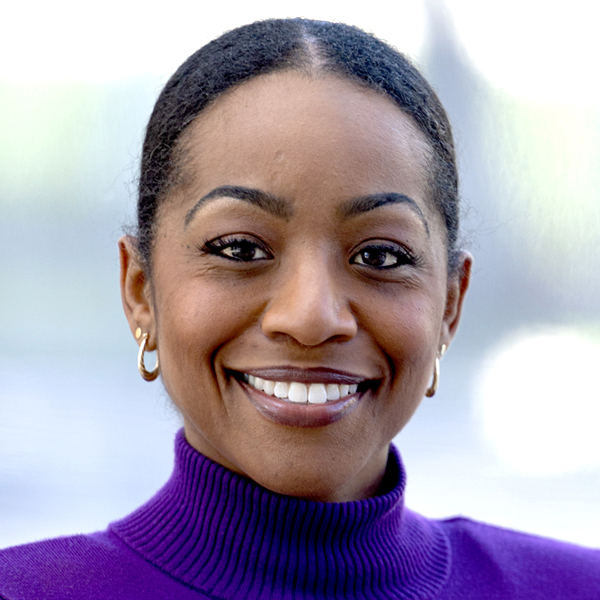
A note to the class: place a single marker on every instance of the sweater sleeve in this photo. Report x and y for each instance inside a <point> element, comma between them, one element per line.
<point>500,564</point>
<point>84,567</point>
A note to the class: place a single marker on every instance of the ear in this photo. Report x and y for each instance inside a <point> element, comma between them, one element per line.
<point>458,282</point>
<point>135,291</point>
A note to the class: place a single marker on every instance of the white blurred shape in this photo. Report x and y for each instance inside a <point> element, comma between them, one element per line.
<point>539,49</point>
<point>115,39</point>
<point>539,402</point>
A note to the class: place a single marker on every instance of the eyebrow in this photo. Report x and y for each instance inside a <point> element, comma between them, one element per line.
<point>364,204</point>
<point>272,204</point>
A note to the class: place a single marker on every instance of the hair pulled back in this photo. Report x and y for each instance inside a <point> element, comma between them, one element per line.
<point>291,44</point>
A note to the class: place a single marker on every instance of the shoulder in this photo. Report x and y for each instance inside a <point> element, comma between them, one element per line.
<point>82,567</point>
<point>519,564</point>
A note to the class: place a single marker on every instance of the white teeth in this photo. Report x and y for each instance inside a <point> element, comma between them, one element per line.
<point>301,393</point>
<point>297,392</point>
<point>281,389</point>
<point>333,391</point>
<point>317,393</point>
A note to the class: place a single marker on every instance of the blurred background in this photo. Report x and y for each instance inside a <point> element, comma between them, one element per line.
<point>512,437</point>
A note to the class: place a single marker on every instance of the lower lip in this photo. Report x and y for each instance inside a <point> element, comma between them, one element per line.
<point>300,415</point>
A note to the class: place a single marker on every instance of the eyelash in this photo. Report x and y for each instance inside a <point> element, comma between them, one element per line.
<point>399,256</point>
<point>219,246</point>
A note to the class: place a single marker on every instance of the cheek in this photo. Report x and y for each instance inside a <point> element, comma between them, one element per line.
<point>407,331</point>
<point>409,324</point>
<point>408,338</point>
<point>196,320</point>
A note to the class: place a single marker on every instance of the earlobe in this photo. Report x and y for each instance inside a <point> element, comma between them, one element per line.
<point>135,290</point>
<point>458,284</point>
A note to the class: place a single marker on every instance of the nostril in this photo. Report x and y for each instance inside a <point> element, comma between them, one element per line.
<point>309,305</point>
<point>309,325</point>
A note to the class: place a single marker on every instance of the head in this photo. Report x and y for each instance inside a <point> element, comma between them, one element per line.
<point>297,223</point>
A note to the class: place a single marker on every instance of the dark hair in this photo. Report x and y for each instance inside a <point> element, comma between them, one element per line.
<point>292,44</point>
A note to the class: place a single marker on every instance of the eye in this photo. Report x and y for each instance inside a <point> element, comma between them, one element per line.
<point>382,256</point>
<point>240,249</point>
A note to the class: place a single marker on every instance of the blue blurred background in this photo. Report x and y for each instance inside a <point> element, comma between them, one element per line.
<point>512,435</point>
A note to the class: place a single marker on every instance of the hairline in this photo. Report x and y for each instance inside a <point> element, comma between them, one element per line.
<point>305,49</point>
<point>182,148</point>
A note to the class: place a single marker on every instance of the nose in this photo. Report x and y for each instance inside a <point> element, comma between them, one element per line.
<point>309,306</point>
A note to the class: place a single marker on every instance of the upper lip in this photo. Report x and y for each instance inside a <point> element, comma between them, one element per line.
<point>305,375</point>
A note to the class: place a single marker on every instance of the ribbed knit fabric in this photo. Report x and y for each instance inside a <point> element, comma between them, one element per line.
<point>210,534</point>
<point>227,536</point>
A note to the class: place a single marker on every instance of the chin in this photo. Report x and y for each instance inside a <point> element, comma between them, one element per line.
<point>320,475</point>
<point>317,487</point>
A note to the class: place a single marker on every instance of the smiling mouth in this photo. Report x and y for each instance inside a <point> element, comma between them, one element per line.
<point>297,392</point>
<point>304,397</point>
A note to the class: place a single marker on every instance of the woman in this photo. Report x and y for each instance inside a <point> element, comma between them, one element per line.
<point>297,269</point>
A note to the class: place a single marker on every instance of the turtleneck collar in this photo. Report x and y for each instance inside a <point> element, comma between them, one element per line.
<point>227,536</point>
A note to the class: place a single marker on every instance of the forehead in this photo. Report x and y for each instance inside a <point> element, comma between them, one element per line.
<point>300,135</point>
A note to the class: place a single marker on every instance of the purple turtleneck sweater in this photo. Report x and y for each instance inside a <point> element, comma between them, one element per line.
<point>209,533</point>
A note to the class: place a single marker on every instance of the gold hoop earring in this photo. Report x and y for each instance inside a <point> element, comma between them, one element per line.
<point>147,375</point>
<point>432,389</point>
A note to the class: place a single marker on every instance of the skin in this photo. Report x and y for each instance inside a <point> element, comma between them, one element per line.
<point>310,299</point>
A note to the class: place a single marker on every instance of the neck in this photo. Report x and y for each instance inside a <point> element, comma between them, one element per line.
<point>225,535</point>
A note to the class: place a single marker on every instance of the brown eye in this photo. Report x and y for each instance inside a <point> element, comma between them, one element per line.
<point>382,257</point>
<point>240,249</point>
<point>245,251</point>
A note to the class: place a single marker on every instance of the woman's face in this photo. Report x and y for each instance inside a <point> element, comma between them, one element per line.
<point>299,247</point>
